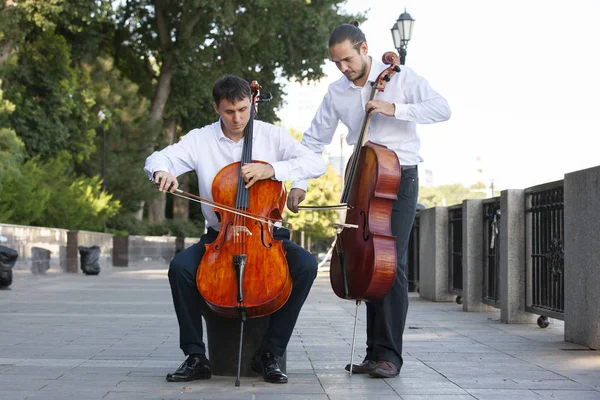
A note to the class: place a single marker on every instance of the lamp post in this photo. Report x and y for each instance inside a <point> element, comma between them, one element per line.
<point>401,33</point>
<point>102,117</point>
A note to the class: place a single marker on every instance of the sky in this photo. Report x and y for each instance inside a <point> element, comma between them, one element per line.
<point>522,78</point>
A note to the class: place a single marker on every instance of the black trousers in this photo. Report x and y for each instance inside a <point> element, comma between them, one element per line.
<point>386,318</point>
<point>189,305</point>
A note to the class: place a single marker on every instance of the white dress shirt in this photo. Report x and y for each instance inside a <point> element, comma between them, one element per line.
<point>208,150</point>
<point>416,103</point>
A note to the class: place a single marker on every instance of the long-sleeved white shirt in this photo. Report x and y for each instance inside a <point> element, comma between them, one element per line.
<point>415,101</point>
<point>208,150</point>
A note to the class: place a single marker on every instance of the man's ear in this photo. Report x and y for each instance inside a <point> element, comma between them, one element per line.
<point>364,48</point>
<point>216,107</point>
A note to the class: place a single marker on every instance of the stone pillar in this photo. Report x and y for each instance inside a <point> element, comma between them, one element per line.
<point>582,255</point>
<point>72,252</point>
<point>513,270</point>
<point>472,251</point>
<point>433,252</point>
<point>120,251</point>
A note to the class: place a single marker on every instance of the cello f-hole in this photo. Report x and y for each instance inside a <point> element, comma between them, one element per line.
<point>365,226</point>
<point>219,245</point>
<point>262,235</point>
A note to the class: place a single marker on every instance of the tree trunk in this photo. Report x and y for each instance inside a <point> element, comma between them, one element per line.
<point>163,88</point>
<point>181,207</point>
<point>157,207</point>
<point>139,215</point>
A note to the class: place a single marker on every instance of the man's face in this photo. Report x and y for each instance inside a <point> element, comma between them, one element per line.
<point>234,116</point>
<point>351,62</point>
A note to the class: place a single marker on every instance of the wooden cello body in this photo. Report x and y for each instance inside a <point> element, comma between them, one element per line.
<point>245,267</point>
<point>363,265</point>
<point>364,268</point>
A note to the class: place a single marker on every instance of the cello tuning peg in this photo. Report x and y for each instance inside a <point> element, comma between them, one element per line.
<point>386,78</point>
<point>397,68</point>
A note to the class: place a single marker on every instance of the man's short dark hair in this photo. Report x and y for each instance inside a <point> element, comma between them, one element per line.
<point>232,89</point>
<point>349,32</point>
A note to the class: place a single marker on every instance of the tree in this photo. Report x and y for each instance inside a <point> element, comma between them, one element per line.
<point>11,147</point>
<point>448,195</point>
<point>48,194</point>
<point>126,127</point>
<point>176,49</point>
<point>318,224</point>
<point>43,42</point>
<point>53,112</point>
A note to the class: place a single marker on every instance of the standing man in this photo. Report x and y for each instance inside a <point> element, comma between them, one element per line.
<point>207,151</point>
<point>408,100</point>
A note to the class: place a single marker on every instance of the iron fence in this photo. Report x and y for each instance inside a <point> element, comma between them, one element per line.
<point>455,243</point>
<point>544,207</point>
<point>491,251</point>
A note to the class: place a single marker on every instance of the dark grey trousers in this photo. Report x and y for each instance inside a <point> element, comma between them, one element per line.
<point>386,318</point>
<point>189,305</point>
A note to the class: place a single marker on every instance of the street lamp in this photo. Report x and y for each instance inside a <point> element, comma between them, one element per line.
<point>102,117</point>
<point>401,33</point>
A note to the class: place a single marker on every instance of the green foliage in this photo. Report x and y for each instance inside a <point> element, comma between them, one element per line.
<point>11,147</point>
<point>127,224</point>
<point>124,224</point>
<point>261,40</point>
<point>449,194</point>
<point>128,128</point>
<point>47,194</point>
<point>81,22</point>
<point>53,111</point>
<point>318,224</point>
<point>24,16</point>
<point>178,228</point>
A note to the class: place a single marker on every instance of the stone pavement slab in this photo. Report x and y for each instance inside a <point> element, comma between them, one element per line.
<point>115,336</point>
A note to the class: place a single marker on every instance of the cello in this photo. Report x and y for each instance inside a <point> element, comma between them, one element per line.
<point>363,265</point>
<point>244,272</point>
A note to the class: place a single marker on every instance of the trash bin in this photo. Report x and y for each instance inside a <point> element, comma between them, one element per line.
<point>90,257</point>
<point>8,258</point>
<point>40,260</point>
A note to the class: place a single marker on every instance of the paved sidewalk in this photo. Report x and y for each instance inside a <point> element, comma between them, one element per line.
<point>115,336</point>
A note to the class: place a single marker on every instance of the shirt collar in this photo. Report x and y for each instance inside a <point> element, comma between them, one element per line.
<point>221,135</point>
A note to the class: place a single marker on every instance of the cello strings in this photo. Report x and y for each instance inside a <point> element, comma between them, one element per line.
<point>247,158</point>
<point>354,165</point>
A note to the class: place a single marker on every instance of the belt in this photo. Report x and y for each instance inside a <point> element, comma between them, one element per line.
<point>403,167</point>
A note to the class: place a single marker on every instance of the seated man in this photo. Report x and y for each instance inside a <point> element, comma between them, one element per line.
<point>207,151</point>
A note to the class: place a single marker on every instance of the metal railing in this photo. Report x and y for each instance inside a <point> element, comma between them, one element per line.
<point>491,251</point>
<point>455,275</point>
<point>544,208</point>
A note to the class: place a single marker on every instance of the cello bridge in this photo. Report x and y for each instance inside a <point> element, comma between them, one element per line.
<point>237,229</point>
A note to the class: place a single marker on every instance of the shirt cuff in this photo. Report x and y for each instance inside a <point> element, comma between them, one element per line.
<point>150,170</point>
<point>401,111</point>
<point>281,171</point>
<point>300,185</point>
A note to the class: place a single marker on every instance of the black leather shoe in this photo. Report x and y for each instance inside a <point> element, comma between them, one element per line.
<point>195,367</point>
<point>362,368</point>
<point>267,365</point>
<point>385,369</point>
